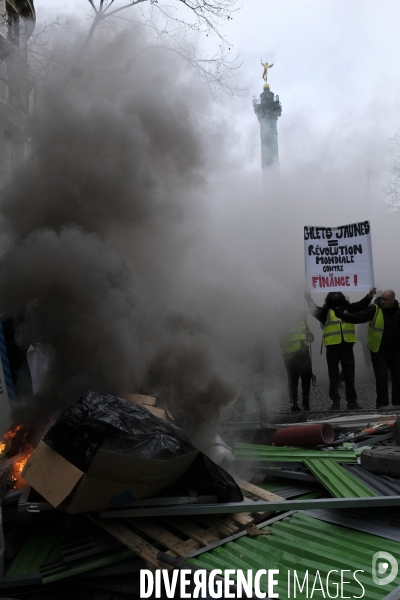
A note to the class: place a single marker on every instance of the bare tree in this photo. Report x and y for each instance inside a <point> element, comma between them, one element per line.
<point>173,26</point>
<point>40,51</point>
<point>206,15</point>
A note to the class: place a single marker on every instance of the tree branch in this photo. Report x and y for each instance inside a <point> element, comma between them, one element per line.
<point>215,70</point>
<point>93,6</point>
<point>117,10</point>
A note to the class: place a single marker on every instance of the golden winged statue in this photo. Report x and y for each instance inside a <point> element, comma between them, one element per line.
<point>266,67</point>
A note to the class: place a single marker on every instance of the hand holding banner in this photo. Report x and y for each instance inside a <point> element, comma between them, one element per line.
<point>338,258</point>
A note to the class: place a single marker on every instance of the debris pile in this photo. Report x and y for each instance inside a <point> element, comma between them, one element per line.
<point>114,488</point>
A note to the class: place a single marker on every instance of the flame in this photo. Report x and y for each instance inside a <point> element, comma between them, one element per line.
<point>19,455</point>
<point>17,469</point>
<point>8,437</point>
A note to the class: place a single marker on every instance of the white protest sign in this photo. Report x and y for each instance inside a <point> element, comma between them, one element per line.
<point>338,258</point>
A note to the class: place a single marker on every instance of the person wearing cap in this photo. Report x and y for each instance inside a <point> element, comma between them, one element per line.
<point>383,343</point>
<point>339,338</point>
<point>295,346</point>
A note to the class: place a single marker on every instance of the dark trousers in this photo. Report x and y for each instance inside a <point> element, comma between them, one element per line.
<point>344,355</point>
<point>298,365</point>
<point>383,362</point>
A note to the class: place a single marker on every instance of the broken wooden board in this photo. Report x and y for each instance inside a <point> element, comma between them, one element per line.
<point>181,536</point>
<point>257,491</point>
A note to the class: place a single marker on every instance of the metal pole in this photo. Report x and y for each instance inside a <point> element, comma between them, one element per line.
<point>240,507</point>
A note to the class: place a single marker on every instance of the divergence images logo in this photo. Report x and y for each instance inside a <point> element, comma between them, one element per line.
<point>383,560</point>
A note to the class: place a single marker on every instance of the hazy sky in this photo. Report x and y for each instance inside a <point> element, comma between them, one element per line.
<point>332,59</point>
<point>336,73</point>
<point>335,70</point>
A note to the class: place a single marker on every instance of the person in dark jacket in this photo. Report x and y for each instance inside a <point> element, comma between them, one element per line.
<point>383,342</point>
<point>339,340</point>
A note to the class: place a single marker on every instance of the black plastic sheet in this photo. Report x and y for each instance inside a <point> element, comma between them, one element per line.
<point>207,478</point>
<point>112,423</point>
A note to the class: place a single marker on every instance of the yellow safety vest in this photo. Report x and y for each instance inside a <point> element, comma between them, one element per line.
<point>375,330</point>
<point>333,329</point>
<point>292,341</point>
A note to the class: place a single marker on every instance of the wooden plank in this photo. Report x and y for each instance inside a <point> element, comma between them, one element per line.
<point>191,530</point>
<point>228,522</point>
<point>189,541</point>
<point>243,518</point>
<point>262,517</point>
<point>154,530</point>
<point>257,491</point>
<point>193,544</point>
<point>250,501</point>
<point>218,525</point>
<point>120,532</point>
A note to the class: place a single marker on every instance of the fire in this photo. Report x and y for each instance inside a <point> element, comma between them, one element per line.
<point>16,471</point>
<point>16,449</point>
<point>5,443</point>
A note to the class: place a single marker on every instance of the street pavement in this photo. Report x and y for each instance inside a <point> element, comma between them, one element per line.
<point>276,394</point>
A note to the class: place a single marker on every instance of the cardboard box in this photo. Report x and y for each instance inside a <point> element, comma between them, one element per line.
<point>149,403</point>
<point>140,399</point>
<point>113,479</point>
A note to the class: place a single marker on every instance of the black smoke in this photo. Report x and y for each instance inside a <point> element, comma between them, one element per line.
<point>100,215</point>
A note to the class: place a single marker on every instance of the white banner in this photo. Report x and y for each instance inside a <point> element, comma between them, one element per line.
<point>338,258</point>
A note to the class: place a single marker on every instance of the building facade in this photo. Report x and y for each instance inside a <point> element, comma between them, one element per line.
<point>17,22</point>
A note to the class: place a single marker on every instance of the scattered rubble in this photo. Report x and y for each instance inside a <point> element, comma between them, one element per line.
<point>115,486</point>
<point>383,461</point>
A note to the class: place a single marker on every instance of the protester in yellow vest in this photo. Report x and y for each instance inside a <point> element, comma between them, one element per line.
<point>339,339</point>
<point>383,343</point>
<point>295,347</point>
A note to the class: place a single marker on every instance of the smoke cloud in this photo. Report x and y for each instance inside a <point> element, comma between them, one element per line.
<point>144,252</point>
<point>101,215</point>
